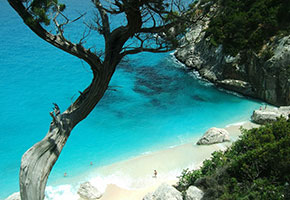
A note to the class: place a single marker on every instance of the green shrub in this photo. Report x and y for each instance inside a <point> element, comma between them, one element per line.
<point>243,25</point>
<point>255,167</point>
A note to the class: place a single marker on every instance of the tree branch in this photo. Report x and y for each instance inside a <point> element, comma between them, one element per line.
<point>56,40</point>
<point>152,50</point>
<point>105,19</point>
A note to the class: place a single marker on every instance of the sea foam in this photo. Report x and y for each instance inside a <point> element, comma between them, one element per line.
<point>236,124</point>
<point>61,192</point>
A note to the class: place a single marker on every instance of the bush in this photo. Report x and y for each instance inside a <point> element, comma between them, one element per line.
<point>243,25</point>
<point>255,167</point>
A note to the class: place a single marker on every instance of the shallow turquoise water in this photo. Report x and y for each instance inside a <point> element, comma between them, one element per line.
<point>153,103</point>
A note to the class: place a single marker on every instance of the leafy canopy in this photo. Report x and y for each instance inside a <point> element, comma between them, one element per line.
<point>243,25</point>
<point>42,9</point>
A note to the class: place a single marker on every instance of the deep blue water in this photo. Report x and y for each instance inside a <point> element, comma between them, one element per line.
<point>153,103</point>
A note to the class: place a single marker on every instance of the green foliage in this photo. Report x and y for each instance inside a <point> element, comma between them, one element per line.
<point>248,24</point>
<point>41,10</point>
<point>187,178</point>
<point>255,167</point>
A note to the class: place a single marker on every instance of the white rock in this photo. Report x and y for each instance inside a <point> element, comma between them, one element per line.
<point>270,115</point>
<point>214,135</point>
<point>264,116</point>
<point>193,193</point>
<point>149,196</point>
<point>14,196</point>
<point>164,192</point>
<point>285,111</point>
<point>89,192</point>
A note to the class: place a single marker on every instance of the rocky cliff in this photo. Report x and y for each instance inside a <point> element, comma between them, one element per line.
<point>264,75</point>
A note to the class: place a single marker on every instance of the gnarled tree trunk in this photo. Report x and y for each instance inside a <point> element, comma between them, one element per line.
<point>38,161</point>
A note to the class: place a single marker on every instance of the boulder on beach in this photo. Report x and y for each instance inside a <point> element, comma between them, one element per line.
<point>88,192</point>
<point>14,196</point>
<point>214,135</point>
<point>164,192</point>
<point>264,116</point>
<point>269,115</point>
<point>193,193</point>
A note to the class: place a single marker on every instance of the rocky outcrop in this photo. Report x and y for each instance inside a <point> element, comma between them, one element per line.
<point>88,192</point>
<point>269,115</point>
<point>14,196</point>
<point>193,193</point>
<point>164,192</point>
<point>264,75</point>
<point>214,135</point>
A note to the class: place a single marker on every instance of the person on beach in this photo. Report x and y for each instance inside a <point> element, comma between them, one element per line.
<point>65,174</point>
<point>155,174</point>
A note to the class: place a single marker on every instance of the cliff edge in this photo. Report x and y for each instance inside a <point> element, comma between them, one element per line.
<point>264,75</point>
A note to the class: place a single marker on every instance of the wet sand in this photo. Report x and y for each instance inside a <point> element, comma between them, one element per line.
<point>133,179</point>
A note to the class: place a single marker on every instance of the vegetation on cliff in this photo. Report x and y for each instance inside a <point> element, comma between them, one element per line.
<point>247,25</point>
<point>255,167</point>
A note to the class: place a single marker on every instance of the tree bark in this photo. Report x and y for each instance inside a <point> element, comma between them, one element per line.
<point>37,162</point>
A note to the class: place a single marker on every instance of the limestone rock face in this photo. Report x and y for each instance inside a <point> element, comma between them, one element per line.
<point>14,196</point>
<point>236,85</point>
<point>270,115</point>
<point>193,193</point>
<point>149,196</point>
<point>263,117</point>
<point>259,76</point>
<point>285,111</point>
<point>89,192</point>
<point>164,192</point>
<point>214,135</point>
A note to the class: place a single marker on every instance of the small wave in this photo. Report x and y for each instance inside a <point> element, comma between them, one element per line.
<point>193,73</point>
<point>69,192</point>
<point>121,180</point>
<point>230,92</point>
<point>201,80</point>
<point>61,192</point>
<point>176,62</point>
<point>236,124</point>
<point>147,153</point>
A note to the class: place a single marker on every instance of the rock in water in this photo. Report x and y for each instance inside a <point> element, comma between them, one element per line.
<point>89,192</point>
<point>269,115</point>
<point>14,196</point>
<point>164,192</point>
<point>214,135</point>
<point>193,193</point>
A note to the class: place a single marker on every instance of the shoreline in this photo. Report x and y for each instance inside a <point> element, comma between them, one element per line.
<point>132,179</point>
<point>169,164</point>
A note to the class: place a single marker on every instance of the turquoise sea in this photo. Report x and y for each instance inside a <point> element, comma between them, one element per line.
<point>153,103</point>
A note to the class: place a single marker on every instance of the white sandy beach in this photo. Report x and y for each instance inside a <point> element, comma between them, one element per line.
<point>132,179</point>
<point>135,176</point>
